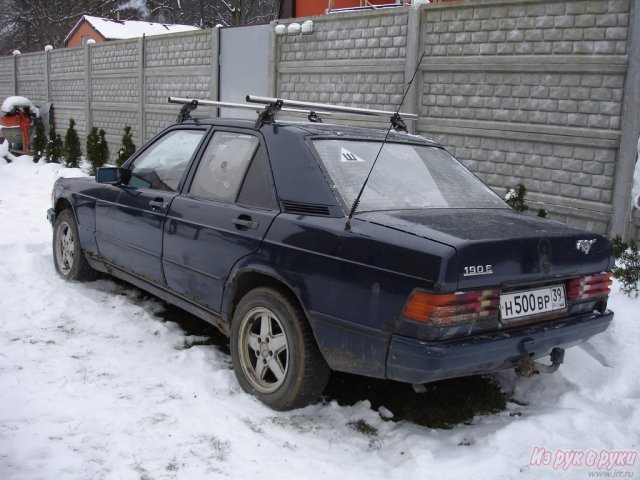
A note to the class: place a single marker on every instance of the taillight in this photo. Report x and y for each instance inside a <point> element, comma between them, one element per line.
<point>589,287</point>
<point>452,308</point>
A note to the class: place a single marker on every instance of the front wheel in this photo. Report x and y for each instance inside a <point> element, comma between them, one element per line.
<point>68,257</point>
<point>274,353</point>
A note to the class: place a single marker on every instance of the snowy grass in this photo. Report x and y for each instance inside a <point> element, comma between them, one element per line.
<point>94,384</point>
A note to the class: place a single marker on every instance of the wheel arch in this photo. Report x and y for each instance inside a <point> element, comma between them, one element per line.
<point>246,280</point>
<point>61,204</point>
<point>84,223</point>
<point>69,257</point>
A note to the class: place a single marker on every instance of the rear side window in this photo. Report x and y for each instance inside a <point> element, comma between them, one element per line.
<point>224,166</point>
<point>161,166</point>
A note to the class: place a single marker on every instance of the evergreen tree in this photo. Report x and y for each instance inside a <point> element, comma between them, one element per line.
<point>53,150</point>
<point>97,149</point>
<point>39,142</point>
<point>103,148</point>
<point>627,267</point>
<point>515,198</point>
<point>72,151</point>
<point>92,150</point>
<point>127,149</point>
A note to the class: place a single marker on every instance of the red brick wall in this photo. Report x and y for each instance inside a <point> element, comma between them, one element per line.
<point>307,8</point>
<point>84,29</point>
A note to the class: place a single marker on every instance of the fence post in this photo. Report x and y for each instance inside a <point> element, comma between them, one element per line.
<point>630,130</point>
<point>47,87</point>
<point>273,61</point>
<point>15,74</point>
<point>215,66</point>
<point>413,53</point>
<point>87,89</point>
<point>142,117</point>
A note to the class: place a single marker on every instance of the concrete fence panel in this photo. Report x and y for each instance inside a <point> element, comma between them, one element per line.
<point>531,92</point>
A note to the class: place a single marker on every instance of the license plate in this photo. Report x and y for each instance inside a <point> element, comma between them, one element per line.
<point>532,302</point>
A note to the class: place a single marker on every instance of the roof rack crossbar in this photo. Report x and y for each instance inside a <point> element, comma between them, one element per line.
<point>326,107</point>
<point>211,103</point>
<point>191,104</point>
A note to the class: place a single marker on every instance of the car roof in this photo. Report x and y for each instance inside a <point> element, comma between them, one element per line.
<point>321,129</point>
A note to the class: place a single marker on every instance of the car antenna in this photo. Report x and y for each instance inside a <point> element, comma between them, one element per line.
<point>395,120</point>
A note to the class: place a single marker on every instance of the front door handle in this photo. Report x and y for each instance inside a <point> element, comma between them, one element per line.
<point>244,221</point>
<point>158,203</point>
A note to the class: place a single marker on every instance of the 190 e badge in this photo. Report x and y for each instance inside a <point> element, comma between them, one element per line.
<point>477,270</point>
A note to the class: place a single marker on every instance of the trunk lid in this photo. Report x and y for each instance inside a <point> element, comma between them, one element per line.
<point>502,247</point>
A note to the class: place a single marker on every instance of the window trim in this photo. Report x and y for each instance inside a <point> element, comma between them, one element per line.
<point>188,181</point>
<point>158,137</point>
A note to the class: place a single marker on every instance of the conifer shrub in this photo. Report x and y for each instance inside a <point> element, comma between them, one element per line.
<point>515,199</point>
<point>53,150</point>
<point>127,149</point>
<point>97,149</point>
<point>71,149</point>
<point>103,147</point>
<point>39,142</point>
<point>627,268</point>
<point>91,150</point>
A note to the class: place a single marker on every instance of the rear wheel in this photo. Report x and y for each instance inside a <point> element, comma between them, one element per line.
<point>274,353</point>
<point>68,257</point>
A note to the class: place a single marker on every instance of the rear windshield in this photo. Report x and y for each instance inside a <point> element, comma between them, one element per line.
<point>405,176</point>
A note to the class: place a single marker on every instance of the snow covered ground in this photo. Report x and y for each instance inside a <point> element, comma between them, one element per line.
<point>95,385</point>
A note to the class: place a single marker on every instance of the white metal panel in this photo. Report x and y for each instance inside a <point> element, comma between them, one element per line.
<point>244,66</point>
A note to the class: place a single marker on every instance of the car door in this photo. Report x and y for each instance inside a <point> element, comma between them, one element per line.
<point>129,229</point>
<point>223,216</point>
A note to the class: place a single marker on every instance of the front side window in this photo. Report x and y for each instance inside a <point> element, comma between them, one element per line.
<point>405,176</point>
<point>223,166</point>
<point>162,165</point>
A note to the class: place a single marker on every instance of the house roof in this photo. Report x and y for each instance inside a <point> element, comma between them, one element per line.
<point>122,29</point>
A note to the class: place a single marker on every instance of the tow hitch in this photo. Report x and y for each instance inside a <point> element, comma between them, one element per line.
<point>527,367</point>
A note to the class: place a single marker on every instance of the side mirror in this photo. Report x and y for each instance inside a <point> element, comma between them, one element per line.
<point>109,175</point>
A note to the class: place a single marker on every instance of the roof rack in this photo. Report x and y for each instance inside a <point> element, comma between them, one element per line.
<point>190,104</point>
<point>271,106</point>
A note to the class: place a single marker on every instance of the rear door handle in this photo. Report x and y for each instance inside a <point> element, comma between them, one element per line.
<point>244,221</point>
<point>158,203</point>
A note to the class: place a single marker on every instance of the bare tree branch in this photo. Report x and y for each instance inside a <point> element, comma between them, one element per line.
<point>29,25</point>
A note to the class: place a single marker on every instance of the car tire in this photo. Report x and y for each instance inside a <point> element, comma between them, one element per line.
<point>68,257</point>
<point>275,355</point>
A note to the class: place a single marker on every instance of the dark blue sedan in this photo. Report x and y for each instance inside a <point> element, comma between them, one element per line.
<point>252,227</point>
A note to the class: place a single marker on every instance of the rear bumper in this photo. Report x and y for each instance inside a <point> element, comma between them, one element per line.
<point>415,361</point>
